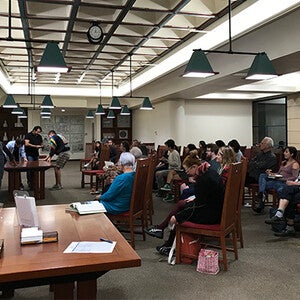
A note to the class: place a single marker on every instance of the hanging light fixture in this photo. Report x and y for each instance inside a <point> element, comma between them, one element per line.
<point>52,60</point>
<point>146,105</point>
<point>261,68</point>
<point>115,103</point>
<point>23,115</point>
<point>100,110</point>
<point>46,111</point>
<point>199,66</point>
<point>111,114</point>
<point>90,114</point>
<point>17,111</point>
<point>47,102</point>
<point>125,111</point>
<point>45,116</point>
<point>9,102</point>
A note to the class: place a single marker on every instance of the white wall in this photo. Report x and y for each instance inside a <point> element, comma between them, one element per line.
<point>188,121</point>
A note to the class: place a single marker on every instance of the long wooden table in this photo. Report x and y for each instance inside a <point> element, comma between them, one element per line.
<point>37,168</point>
<point>40,264</point>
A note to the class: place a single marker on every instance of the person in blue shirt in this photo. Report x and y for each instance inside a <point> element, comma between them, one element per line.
<point>17,149</point>
<point>117,198</point>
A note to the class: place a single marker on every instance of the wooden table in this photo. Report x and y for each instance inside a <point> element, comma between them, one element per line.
<point>40,264</point>
<point>37,168</point>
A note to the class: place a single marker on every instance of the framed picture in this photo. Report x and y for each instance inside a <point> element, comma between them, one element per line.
<point>123,121</point>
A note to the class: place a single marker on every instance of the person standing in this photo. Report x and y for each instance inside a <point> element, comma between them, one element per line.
<point>58,147</point>
<point>3,149</point>
<point>33,142</point>
<point>17,149</point>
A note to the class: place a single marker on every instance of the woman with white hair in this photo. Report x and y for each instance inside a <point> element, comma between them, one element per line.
<point>116,199</point>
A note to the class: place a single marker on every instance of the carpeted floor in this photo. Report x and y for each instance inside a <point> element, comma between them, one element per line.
<point>268,267</point>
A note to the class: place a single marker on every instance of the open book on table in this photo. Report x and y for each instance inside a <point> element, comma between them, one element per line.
<point>88,207</point>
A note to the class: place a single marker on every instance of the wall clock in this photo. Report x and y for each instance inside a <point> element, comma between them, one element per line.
<point>95,33</point>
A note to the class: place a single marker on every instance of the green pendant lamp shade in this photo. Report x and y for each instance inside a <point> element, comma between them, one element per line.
<point>146,105</point>
<point>125,111</point>
<point>261,68</point>
<point>47,102</point>
<point>10,102</point>
<point>100,110</point>
<point>52,60</point>
<point>23,115</point>
<point>46,111</point>
<point>17,111</point>
<point>198,66</point>
<point>90,114</point>
<point>111,115</point>
<point>115,103</point>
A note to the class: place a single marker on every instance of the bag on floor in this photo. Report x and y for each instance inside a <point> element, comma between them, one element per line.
<point>208,262</point>
<point>190,247</point>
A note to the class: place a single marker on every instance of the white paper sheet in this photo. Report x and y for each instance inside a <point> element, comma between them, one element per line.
<point>90,247</point>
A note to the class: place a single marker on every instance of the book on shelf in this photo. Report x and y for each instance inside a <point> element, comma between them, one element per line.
<point>87,207</point>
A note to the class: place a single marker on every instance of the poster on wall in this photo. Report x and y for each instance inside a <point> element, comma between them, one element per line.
<point>71,127</point>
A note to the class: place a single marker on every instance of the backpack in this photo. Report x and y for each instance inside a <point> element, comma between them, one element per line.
<point>65,141</point>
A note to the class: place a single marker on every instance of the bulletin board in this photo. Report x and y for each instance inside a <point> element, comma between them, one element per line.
<point>71,127</point>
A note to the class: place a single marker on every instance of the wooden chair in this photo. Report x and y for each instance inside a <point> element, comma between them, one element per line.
<point>135,217</point>
<point>239,231</point>
<point>89,150</point>
<point>104,156</point>
<point>228,220</point>
<point>148,193</point>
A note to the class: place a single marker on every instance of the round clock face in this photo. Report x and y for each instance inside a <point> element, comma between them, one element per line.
<point>95,34</point>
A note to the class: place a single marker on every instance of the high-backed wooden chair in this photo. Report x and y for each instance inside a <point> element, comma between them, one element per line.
<point>136,216</point>
<point>89,150</point>
<point>228,220</point>
<point>240,203</point>
<point>148,192</point>
<point>104,156</point>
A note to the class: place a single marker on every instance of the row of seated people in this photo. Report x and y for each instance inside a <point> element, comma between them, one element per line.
<point>283,184</point>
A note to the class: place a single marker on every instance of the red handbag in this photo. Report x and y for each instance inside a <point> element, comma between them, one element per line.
<point>190,247</point>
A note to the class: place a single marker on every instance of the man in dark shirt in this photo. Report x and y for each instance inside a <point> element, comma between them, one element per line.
<point>33,142</point>
<point>263,161</point>
<point>58,147</point>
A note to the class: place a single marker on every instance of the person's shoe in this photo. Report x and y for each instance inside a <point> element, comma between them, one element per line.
<point>86,165</point>
<point>154,231</point>
<point>169,198</point>
<point>285,233</point>
<point>56,187</point>
<point>166,187</point>
<point>165,251</point>
<point>275,220</point>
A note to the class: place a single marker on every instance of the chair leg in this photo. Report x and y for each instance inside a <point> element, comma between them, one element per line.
<point>240,234</point>
<point>82,180</point>
<point>132,240</point>
<point>235,245</point>
<point>224,254</point>
<point>178,247</point>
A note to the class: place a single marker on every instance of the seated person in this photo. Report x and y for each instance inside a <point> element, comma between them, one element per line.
<point>116,199</point>
<point>209,193</point>
<point>235,145</point>
<point>211,156</point>
<point>263,161</point>
<point>174,163</point>
<point>289,170</point>
<point>94,162</point>
<point>187,150</point>
<point>177,174</point>
<point>286,209</point>
<point>136,149</point>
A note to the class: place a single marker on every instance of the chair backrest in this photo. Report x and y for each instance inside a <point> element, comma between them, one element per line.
<point>244,162</point>
<point>89,150</point>
<point>137,202</point>
<point>104,156</point>
<point>232,193</point>
<point>161,149</point>
<point>149,185</point>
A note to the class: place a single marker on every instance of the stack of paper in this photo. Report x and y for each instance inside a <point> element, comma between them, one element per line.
<point>88,207</point>
<point>31,235</point>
